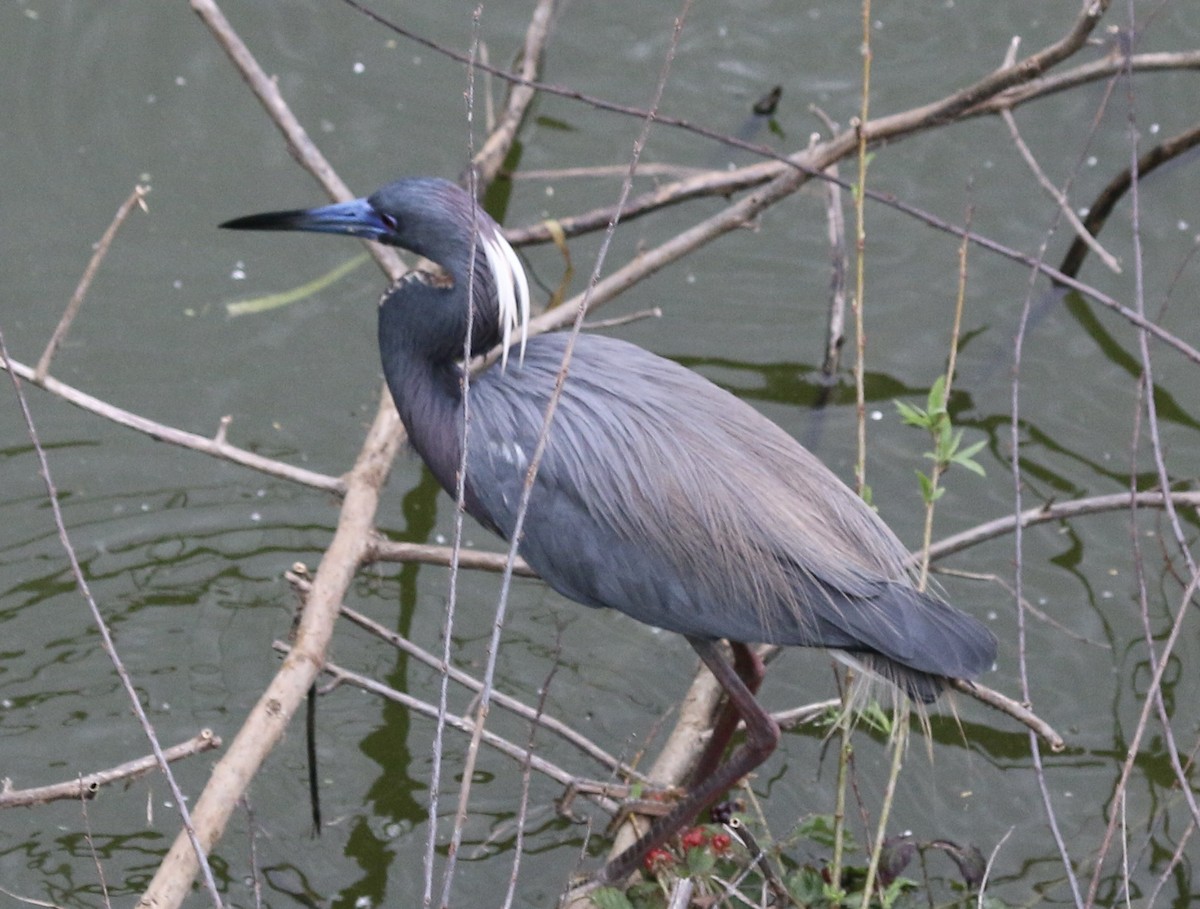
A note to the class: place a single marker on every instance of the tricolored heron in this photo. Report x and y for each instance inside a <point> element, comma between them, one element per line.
<point>660,494</point>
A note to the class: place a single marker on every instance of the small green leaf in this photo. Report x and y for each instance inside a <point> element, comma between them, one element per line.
<point>937,396</point>
<point>966,458</point>
<point>700,861</point>
<point>868,496</point>
<point>819,828</point>
<point>806,886</point>
<point>929,492</point>
<point>913,416</point>
<point>610,898</point>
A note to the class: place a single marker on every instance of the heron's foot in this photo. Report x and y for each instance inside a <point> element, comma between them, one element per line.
<point>646,801</point>
<point>648,804</point>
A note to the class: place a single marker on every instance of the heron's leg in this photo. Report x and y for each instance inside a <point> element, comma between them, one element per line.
<point>762,735</point>
<point>751,671</point>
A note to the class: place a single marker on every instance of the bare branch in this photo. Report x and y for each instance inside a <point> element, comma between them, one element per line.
<point>137,199</point>
<point>217,446</point>
<point>88,785</point>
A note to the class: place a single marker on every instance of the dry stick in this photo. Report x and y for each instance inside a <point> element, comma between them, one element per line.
<point>1082,234</point>
<point>255,873</point>
<point>301,148</point>
<point>835,330</point>
<point>381,550</point>
<point>460,503</point>
<point>857,308</point>
<point>1019,571</point>
<point>217,446</point>
<point>136,198</point>
<point>189,836</point>
<point>860,267</point>
<point>28,901</point>
<point>899,743</point>
<point>1060,511</point>
<point>559,728</point>
<point>1169,868</point>
<point>87,833</point>
<point>89,784</point>
<point>1018,711</point>
<point>645,171</point>
<point>526,775</point>
<point>1096,70</point>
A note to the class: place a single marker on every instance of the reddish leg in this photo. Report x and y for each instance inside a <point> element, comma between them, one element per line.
<point>751,671</point>
<point>762,735</point>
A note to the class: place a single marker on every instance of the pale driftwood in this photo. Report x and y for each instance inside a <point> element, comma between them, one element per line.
<point>88,785</point>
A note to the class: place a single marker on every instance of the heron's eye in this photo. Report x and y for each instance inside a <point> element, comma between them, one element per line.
<point>389,221</point>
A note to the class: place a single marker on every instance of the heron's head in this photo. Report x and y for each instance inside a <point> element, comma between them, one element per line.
<point>431,217</point>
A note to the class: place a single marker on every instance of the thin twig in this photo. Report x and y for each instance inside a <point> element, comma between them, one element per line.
<point>137,199</point>
<point>1081,232</point>
<point>1019,575</point>
<point>567,733</point>
<point>382,550</point>
<point>87,832</point>
<point>518,103</point>
<point>460,509</point>
<point>216,447</point>
<point>299,145</point>
<point>1059,511</point>
<point>1018,711</point>
<point>89,784</point>
<point>490,157</point>
<point>899,744</point>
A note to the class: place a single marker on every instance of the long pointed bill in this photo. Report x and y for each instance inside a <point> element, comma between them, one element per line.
<point>357,218</point>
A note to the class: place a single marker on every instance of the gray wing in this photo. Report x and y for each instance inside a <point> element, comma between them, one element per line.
<point>669,499</point>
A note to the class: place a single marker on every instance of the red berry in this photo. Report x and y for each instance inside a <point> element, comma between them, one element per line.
<point>721,843</point>
<point>694,838</point>
<point>657,860</point>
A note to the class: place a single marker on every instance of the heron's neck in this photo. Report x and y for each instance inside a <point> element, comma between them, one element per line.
<point>421,343</point>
